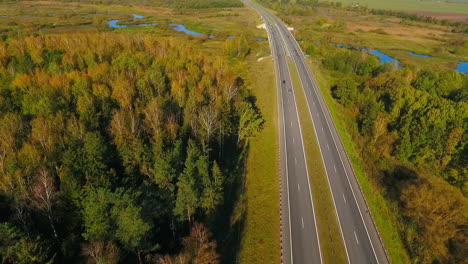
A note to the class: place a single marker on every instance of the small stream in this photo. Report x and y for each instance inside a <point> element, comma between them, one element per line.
<point>115,23</point>
<point>182,28</point>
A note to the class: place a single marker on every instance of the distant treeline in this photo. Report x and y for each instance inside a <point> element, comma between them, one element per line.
<point>289,7</point>
<point>168,3</point>
<point>458,27</point>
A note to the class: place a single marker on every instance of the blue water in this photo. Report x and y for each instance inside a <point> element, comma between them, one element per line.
<point>261,39</point>
<point>338,45</point>
<point>384,58</point>
<point>462,67</point>
<point>115,23</point>
<point>182,28</point>
<point>230,37</point>
<point>419,55</point>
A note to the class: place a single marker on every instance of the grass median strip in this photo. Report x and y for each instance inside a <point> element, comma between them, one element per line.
<point>331,242</point>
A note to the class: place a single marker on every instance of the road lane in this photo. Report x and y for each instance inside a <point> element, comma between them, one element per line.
<point>356,223</point>
<point>363,244</point>
<point>300,239</point>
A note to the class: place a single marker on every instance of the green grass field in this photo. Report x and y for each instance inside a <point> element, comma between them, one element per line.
<point>261,238</point>
<point>388,34</point>
<point>331,242</point>
<point>460,6</point>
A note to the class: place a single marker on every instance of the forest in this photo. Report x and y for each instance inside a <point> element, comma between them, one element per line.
<point>119,148</point>
<point>410,126</point>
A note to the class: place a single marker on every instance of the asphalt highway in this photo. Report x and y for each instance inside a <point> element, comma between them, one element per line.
<point>300,243</point>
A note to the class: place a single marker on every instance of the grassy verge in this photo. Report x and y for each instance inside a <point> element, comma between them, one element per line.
<point>261,238</point>
<point>383,212</point>
<point>331,242</point>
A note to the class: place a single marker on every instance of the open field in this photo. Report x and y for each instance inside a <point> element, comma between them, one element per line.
<point>331,242</point>
<point>458,17</point>
<point>390,35</point>
<point>443,6</point>
<point>48,17</point>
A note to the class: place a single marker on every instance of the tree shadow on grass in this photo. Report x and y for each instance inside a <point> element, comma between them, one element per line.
<point>229,223</point>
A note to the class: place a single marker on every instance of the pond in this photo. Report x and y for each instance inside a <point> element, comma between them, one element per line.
<point>384,58</point>
<point>462,67</point>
